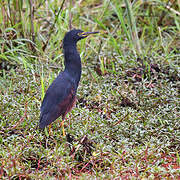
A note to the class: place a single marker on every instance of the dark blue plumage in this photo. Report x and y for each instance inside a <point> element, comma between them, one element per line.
<point>61,94</point>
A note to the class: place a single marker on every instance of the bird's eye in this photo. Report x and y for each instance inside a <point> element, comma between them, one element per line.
<point>82,34</point>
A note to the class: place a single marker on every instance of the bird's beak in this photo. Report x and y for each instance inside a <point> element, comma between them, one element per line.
<point>85,34</point>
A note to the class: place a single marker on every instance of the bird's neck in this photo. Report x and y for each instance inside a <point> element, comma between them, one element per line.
<point>72,61</point>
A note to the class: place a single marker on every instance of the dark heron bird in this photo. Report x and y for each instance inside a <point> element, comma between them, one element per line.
<point>61,94</point>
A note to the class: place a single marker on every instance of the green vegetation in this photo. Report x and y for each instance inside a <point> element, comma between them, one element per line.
<point>126,122</point>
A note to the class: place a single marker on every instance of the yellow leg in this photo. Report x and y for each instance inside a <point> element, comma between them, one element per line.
<point>50,130</point>
<point>62,124</point>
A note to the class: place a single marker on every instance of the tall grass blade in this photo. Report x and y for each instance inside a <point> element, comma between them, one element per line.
<point>133,29</point>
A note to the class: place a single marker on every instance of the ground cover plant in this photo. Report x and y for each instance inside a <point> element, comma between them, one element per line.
<point>126,122</point>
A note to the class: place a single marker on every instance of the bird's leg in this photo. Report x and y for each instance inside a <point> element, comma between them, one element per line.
<point>62,124</point>
<point>63,128</point>
<point>69,120</point>
<point>50,130</point>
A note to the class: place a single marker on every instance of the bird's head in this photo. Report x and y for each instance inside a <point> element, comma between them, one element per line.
<point>76,34</point>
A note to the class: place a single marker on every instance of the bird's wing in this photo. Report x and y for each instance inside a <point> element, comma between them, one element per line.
<point>56,102</point>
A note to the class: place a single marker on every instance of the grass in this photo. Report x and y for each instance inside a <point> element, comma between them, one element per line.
<point>126,121</point>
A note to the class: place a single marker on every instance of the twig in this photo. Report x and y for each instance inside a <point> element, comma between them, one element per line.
<point>18,8</point>
<point>79,146</point>
<point>38,6</point>
<point>22,118</point>
<point>121,120</point>
<point>41,3</point>
<point>70,15</point>
<point>10,13</point>
<point>3,14</point>
<point>173,10</point>
<point>32,20</point>
<point>162,16</point>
